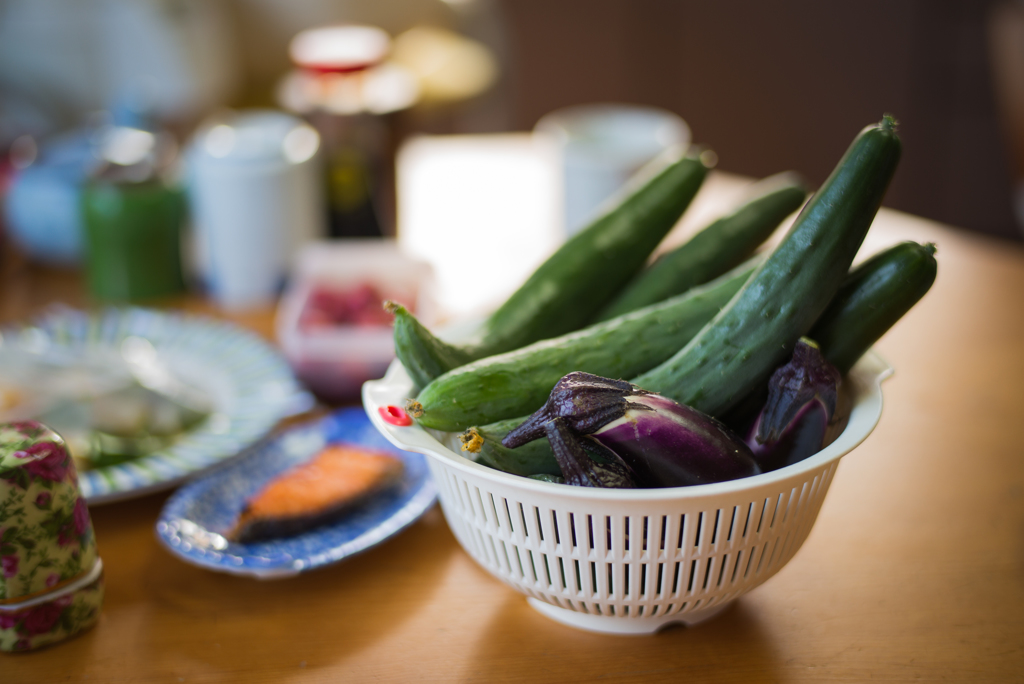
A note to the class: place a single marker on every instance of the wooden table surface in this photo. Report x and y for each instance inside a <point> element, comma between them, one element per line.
<point>913,571</point>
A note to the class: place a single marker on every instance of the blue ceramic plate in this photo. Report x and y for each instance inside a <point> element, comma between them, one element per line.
<point>249,383</point>
<point>196,515</point>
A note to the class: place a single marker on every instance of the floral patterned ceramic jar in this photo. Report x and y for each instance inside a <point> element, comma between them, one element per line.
<point>51,579</point>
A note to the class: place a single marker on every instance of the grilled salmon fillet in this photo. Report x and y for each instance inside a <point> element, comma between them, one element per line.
<point>336,480</point>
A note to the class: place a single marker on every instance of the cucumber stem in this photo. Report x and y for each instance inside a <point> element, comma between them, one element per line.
<point>471,441</point>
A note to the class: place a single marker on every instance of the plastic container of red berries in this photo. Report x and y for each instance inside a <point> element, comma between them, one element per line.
<point>331,323</point>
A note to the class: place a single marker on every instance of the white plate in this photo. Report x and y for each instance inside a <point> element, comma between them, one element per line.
<point>249,383</point>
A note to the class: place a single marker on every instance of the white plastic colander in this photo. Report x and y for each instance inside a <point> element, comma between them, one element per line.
<point>631,561</point>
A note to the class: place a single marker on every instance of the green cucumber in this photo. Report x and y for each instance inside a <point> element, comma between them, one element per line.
<point>714,250</point>
<point>424,356</point>
<point>517,382</point>
<point>756,331</point>
<point>565,292</point>
<point>873,297</point>
<point>535,458</point>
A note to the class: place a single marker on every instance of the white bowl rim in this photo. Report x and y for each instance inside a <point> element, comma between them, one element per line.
<point>864,379</point>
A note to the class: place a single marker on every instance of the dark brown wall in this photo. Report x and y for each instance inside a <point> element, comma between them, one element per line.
<point>786,85</point>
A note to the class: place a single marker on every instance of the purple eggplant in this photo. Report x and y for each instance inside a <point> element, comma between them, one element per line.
<point>584,461</point>
<point>662,443</point>
<point>800,409</point>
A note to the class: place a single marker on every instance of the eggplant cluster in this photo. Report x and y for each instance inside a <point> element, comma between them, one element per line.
<point>611,433</point>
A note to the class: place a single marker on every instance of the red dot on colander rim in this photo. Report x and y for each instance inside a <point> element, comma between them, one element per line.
<point>394,415</point>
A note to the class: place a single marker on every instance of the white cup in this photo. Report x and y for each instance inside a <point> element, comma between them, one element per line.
<point>255,190</point>
<point>601,146</point>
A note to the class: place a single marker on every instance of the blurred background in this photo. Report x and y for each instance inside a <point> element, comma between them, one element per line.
<point>237,131</point>
<point>768,87</point>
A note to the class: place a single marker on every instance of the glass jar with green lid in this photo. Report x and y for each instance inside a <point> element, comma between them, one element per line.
<point>133,217</point>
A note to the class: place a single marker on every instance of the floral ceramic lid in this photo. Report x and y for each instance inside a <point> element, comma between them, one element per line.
<point>46,536</point>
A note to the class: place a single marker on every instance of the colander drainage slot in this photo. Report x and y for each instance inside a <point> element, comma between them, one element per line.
<point>456,490</point>
<point>760,561</point>
<point>767,502</point>
<point>508,562</point>
<point>721,571</point>
<point>533,566</point>
<point>750,514</point>
<point>775,512</point>
<point>468,501</point>
<point>736,567</point>
<point>480,503</point>
<point>776,546</point>
<point>508,514</point>
<point>517,552</point>
<point>795,501</point>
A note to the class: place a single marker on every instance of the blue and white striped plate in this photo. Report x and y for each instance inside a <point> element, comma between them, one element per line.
<point>250,384</point>
<point>195,518</point>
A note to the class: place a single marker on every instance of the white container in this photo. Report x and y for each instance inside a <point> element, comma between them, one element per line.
<point>334,361</point>
<point>483,210</point>
<point>255,190</point>
<point>631,561</point>
<point>602,146</point>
